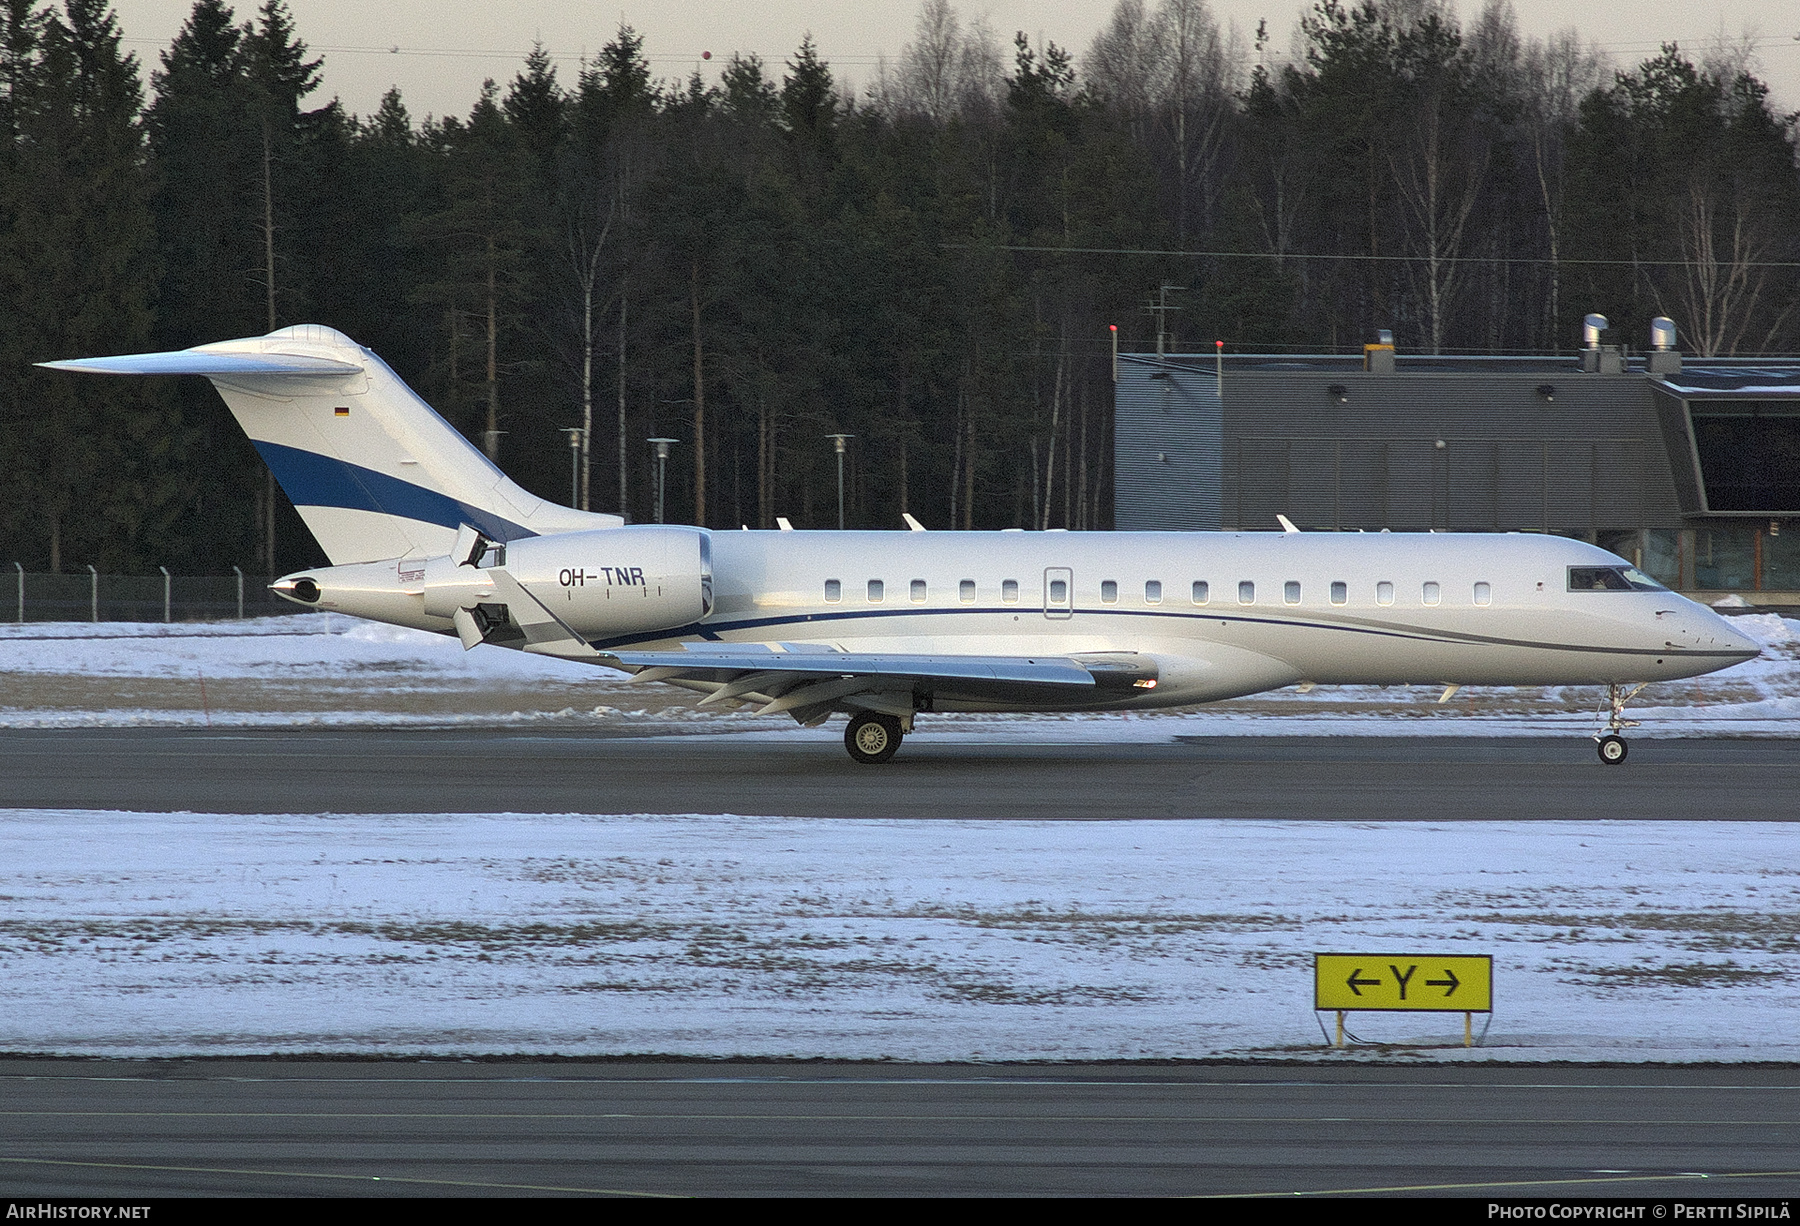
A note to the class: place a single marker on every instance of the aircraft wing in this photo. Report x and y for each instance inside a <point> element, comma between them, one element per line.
<point>809,683</point>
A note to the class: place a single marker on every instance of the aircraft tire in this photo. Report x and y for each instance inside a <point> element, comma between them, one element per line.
<point>1612,749</point>
<point>872,738</point>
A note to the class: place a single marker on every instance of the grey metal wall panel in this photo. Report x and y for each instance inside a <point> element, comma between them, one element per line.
<point>1411,486</point>
<point>1513,458</point>
<point>1520,493</point>
<point>1167,447</point>
<point>1362,497</point>
<point>1473,482</point>
<point>1684,466</point>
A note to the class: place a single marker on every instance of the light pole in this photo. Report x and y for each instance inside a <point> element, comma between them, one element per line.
<point>662,446</point>
<point>576,435</point>
<point>839,440</point>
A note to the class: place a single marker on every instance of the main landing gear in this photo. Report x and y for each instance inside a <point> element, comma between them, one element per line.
<point>873,738</point>
<point>1610,743</point>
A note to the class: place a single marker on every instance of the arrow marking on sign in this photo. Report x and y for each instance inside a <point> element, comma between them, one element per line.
<point>1353,981</point>
<point>1449,985</point>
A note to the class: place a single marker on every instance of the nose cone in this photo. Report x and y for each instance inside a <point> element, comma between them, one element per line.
<point>1717,635</point>
<point>1737,641</point>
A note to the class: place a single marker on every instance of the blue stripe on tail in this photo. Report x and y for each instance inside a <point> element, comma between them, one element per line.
<point>313,480</point>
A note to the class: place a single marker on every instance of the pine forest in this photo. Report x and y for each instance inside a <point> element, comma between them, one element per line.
<point>929,260</point>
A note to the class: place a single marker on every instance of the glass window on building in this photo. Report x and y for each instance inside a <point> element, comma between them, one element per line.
<point>1725,557</point>
<point>1749,453</point>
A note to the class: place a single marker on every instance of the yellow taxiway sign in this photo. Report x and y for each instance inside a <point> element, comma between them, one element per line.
<point>1461,983</point>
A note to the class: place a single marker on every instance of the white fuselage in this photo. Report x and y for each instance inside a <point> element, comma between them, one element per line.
<point>1208,615</point>
<point>1234,613</point>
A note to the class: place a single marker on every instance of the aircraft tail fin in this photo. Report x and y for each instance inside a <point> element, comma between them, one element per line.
<point>372,468</point>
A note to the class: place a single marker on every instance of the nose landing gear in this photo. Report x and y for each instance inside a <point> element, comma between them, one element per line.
<point>872,738</point>
<point>1611,744</point>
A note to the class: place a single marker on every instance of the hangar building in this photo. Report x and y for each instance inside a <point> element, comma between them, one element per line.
<point>1688,467</point>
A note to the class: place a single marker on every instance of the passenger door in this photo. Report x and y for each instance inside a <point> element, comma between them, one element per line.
<point>1059,592</point>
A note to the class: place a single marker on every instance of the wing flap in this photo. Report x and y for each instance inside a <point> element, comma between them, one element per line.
<point>722,666</point>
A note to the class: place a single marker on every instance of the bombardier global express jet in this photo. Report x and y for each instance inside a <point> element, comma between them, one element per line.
<point>423,531</point>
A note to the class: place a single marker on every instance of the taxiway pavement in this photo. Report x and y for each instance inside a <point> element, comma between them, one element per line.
<point>300,1128</point>
<point>1360,779</point>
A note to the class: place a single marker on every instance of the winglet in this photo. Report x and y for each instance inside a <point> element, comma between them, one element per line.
<point>911,523</point>
<point>1287,525</point>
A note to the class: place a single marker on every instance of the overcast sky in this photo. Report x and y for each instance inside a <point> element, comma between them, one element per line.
<point>438,51</point>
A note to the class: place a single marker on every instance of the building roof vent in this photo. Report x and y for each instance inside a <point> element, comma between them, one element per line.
<point>1665,359</point>
<point>1591,328</point>
<point>1378,358</point>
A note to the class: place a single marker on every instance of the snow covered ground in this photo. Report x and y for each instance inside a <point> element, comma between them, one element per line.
<point>147,934</point>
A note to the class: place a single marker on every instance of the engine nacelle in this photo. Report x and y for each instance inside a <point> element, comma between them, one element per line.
<point>603,583</point>
<point>615,581</point>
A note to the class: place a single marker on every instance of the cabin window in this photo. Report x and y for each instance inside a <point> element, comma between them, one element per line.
<point>834,591</point>
<point>1384,592</point>
<point>1431,592</point>
<point>918,591</point>
<point>1290,591</point>
<point>1246,592</point>
<point>1059,591</point>
<point>1484,594</point>
<point>1202,592</point>
<point>965,591</point>
<point>875,591</point>
<point>1009,591</point>
<point>1153,591</point>
<point>1340,592</point>
<point>1109,591</point>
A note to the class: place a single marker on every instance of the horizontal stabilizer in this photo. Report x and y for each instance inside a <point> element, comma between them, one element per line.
<point>200,362</point>
<point>372,469</point>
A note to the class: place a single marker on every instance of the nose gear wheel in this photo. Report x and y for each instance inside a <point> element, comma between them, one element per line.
<point>1610,744</point>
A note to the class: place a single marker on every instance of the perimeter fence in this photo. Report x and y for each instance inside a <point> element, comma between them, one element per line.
<point>162,597</point>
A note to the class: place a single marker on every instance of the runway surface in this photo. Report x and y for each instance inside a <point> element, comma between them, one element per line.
<point>81,1128</point>
<point>1358,779</point>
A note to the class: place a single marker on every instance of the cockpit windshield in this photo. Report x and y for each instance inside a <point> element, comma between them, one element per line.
<point>1611,579</point>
